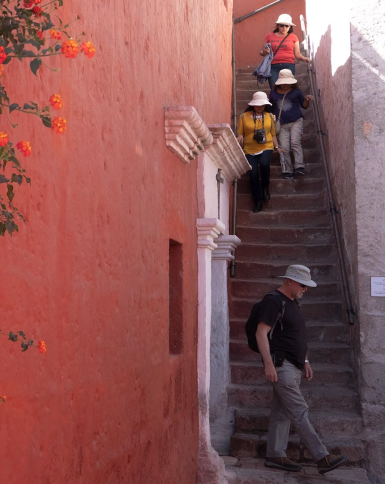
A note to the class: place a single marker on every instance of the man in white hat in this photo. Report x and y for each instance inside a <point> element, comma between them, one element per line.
<point>284,355</point>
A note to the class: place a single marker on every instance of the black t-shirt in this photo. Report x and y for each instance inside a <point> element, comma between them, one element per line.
<point>292,338</point>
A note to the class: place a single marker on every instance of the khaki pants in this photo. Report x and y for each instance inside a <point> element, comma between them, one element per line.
<point>289,406</point>
<point>291,137</point>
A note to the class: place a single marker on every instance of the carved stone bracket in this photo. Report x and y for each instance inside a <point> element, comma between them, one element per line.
<point>186,132</point>
<point>226,153</point>
<point>208,230</point>
<point>226,244</point>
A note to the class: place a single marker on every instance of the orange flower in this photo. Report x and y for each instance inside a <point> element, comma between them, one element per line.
<point>3,139</point>
<point>24,147</point>
<point>42,346</point>
<point>3,55</point>
<point>29,3</point>
<point>70,48</point>
<point>59,125</point>
<point>88,49</point>
<point>56,101</point>
<point>55,34</point>
<point>4,398</point>
<point>40,34</point>
<point>37,11</point>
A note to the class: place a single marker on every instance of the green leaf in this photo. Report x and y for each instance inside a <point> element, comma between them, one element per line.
<point>7,61</point>
<point>34,65</point>
<point>24,346</point>
<point>10,226</point>
<point>21,333</point>
<point>28,180</point>
<point>16,178</point>
<point>27,106</point>
<point>10,193</point>
<point>12,107</point>
<point>12,336</point>
<point>33,42</point>
<point>28,53</point>
<point>3,180</point>
<point>14,161</point>
<point>2,229</point>
<point>46,121</point>
<point>57,47</point>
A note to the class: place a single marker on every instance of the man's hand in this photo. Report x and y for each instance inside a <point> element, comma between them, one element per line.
<point>271,373</point>
<point>308,372</point>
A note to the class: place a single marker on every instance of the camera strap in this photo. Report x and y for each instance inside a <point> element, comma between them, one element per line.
<point>255,121</point>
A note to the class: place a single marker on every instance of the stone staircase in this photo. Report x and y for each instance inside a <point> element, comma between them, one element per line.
<point>294,227</point>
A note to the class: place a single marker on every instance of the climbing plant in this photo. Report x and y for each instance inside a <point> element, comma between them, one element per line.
<point>30,31</point>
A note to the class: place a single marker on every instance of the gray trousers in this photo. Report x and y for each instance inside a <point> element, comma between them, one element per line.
<point>289,406</point>
<point>291,137</point>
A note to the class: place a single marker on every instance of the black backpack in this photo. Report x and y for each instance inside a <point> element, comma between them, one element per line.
<point>253,321</point>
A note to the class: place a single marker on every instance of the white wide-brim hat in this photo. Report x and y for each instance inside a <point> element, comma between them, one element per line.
<point>285,19</point>
<point>285,76</point>
<point>299,274</point>
<point>259,99</point>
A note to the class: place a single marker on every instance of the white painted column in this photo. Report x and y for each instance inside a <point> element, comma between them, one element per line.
<point>210,465</point>
<point>221,418</point>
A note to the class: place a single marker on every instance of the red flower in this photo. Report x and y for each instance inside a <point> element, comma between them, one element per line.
<point>29,3</point>
<point>40,34</point>
<point>3,55</point>
<point>88,49</point>
<point>3,139</point>
<point>56,101</point>
<point>37,11</point>
<point>70,48</point>
<point>55,34</point>
<point>59,125</point>
<point>42,346</point>
<point>24,147</point>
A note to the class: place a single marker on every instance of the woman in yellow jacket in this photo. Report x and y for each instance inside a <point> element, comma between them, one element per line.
<point>256,134</point>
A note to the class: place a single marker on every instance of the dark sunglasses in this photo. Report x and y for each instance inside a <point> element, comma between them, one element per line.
<point>280,25</point>
<point>303,286</point>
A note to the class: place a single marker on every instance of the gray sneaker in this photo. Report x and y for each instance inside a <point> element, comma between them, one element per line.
<point>282,463</point>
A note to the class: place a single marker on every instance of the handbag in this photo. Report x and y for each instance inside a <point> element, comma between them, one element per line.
<point>278,122</point>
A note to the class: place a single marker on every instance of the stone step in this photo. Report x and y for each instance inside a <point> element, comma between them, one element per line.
<point>261,396</point>
<point>321,271</point>
<point>279,185</point>
<point>313,170</point>
<point>253,471</point>
<point>326,422</point>
<point>250,252</point>
<point>311,309</point>
<point>300,218</point>
<point>246,86</point>
<point>297,201</point>
<point>329,331</point>
<point>300,68</point>
<point>310,155</point>
<point>252,373</point>
<point>319,352</point>
<point>253,445</point>
<point>315,236</point>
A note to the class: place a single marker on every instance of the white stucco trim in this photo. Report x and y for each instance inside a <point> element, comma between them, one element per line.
<point>210,465</point>
<point>226,244</point>
<point>186,132</point>
<point>226,153</point>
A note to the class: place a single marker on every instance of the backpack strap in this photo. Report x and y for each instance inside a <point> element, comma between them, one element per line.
<point>280,315</point>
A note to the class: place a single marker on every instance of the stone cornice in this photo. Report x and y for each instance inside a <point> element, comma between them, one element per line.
<point>186,132</point>
<point>208,230</point>
<point>226,153</point>
<point>226,244</point>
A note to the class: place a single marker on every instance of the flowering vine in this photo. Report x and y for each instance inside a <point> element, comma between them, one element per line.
<point>28,32</point>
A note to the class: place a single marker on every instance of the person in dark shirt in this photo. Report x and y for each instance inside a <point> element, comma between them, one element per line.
<point>285,360</point>
<point>287,100</point>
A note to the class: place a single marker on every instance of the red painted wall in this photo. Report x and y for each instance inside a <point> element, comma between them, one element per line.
<point>88,273</point>
<point>251,32</point>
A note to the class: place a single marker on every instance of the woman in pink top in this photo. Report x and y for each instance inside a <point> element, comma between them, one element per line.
<point>289,50</point>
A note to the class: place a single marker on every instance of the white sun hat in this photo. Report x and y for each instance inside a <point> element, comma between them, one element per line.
<point>299,274</point>
<point>285,76</point>
<point>285,19</point>
<point>259,99</point>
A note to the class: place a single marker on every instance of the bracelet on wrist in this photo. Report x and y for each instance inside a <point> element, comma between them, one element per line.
<point>307,361</point>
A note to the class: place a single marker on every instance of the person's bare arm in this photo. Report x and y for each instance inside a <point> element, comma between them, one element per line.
<point>264,349</point>
<point>298,54</point>
<point>264,51</point>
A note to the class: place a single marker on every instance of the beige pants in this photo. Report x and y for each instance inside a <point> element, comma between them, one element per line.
<point>290,138</point>
<point>289,406</point>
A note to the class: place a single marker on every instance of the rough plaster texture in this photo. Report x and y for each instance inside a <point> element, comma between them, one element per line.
<point>251,32</point>
<point>352,86</point>
<point>89,271</point>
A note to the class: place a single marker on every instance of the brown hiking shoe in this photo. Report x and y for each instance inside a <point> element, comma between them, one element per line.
<point>330,462</point>
<point>282,463</point>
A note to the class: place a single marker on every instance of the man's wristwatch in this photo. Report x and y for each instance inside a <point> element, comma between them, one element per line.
<point>276,147</point>
<point>307,361</point>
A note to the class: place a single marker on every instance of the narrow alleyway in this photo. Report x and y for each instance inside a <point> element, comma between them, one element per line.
<point>294,227</point>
